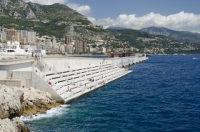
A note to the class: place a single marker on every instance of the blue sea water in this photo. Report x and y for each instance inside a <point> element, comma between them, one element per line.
<point>161,94</point>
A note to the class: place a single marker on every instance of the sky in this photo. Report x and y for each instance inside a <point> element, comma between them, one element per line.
<point>181,15</point>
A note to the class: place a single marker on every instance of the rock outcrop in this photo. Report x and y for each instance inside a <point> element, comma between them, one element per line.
<point>36,101</point>
<point>13,125</point>
<point>10,110</point>
<point>10,103</point>
<point>15,102</point>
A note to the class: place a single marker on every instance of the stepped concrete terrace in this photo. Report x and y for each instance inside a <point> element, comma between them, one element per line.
<point>65,78</point>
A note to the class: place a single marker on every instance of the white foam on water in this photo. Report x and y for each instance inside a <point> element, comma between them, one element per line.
<point>194,58</point>
<point>49,113</point>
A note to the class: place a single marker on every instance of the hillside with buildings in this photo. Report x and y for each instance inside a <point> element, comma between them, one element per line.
<point>52,20</point>
<point>124,40</point>
<point>59,29</point>
<point>140,41</point>
<point>50,26</point>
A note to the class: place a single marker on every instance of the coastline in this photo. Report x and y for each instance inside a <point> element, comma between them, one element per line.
<point>16,102</point>
<point>69,79</point>
<point>36,101</point>
<point>121,104</point>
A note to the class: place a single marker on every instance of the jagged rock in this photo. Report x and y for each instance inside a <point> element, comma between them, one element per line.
<point>13,6</point>
<point>3,4</point>
<point>14,125</point>
<point>10,105</point>
<point>21,127</point>
<point>16,100</point>
<point>20,93</point>
<point>36,101</point>
<point>7,126</point>
<point>13,101</point>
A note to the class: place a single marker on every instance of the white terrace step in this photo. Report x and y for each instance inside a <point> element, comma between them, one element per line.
<point>72,83</point>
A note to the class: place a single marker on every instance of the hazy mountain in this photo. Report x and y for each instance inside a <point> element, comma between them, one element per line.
<point>182,36</point>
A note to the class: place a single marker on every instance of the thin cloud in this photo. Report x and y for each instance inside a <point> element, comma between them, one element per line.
<point>180,20</point>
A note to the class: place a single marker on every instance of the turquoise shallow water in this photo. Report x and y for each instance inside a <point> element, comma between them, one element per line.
<point>161,94</point>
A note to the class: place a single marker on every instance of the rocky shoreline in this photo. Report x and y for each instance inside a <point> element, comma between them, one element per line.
<point>15,102</point>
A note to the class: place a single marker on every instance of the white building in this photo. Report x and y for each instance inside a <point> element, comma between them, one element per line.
<point>99,42</point>
<point>2,34</point>
<point>31,37</point>
<point>103,49</point>
<point>93,49</point>
<point>54,41</point>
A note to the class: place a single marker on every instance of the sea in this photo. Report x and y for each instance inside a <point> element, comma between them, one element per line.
<point>161,94</point>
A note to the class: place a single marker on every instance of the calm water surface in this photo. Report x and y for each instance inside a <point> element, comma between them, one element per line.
<point>161,94</point>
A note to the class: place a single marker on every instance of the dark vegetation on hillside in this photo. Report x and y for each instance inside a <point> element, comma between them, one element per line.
<point>57,19</point>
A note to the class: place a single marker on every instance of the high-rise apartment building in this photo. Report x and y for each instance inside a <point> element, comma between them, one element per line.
<point>27,36</point>
<point>80,46</point>
<point>2,34</point>
<point>31,38</point>
<point>12,35</point>
<point>23,36</point>
<point>68,39</point>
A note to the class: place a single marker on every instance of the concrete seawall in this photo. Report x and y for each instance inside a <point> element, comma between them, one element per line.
<point>79,62</point>
<point>65,78</point>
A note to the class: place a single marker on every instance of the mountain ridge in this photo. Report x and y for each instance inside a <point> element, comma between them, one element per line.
<point>58,20</point>
<point>30,11</point>
<point>182,36</point>
<point>52,20</point>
